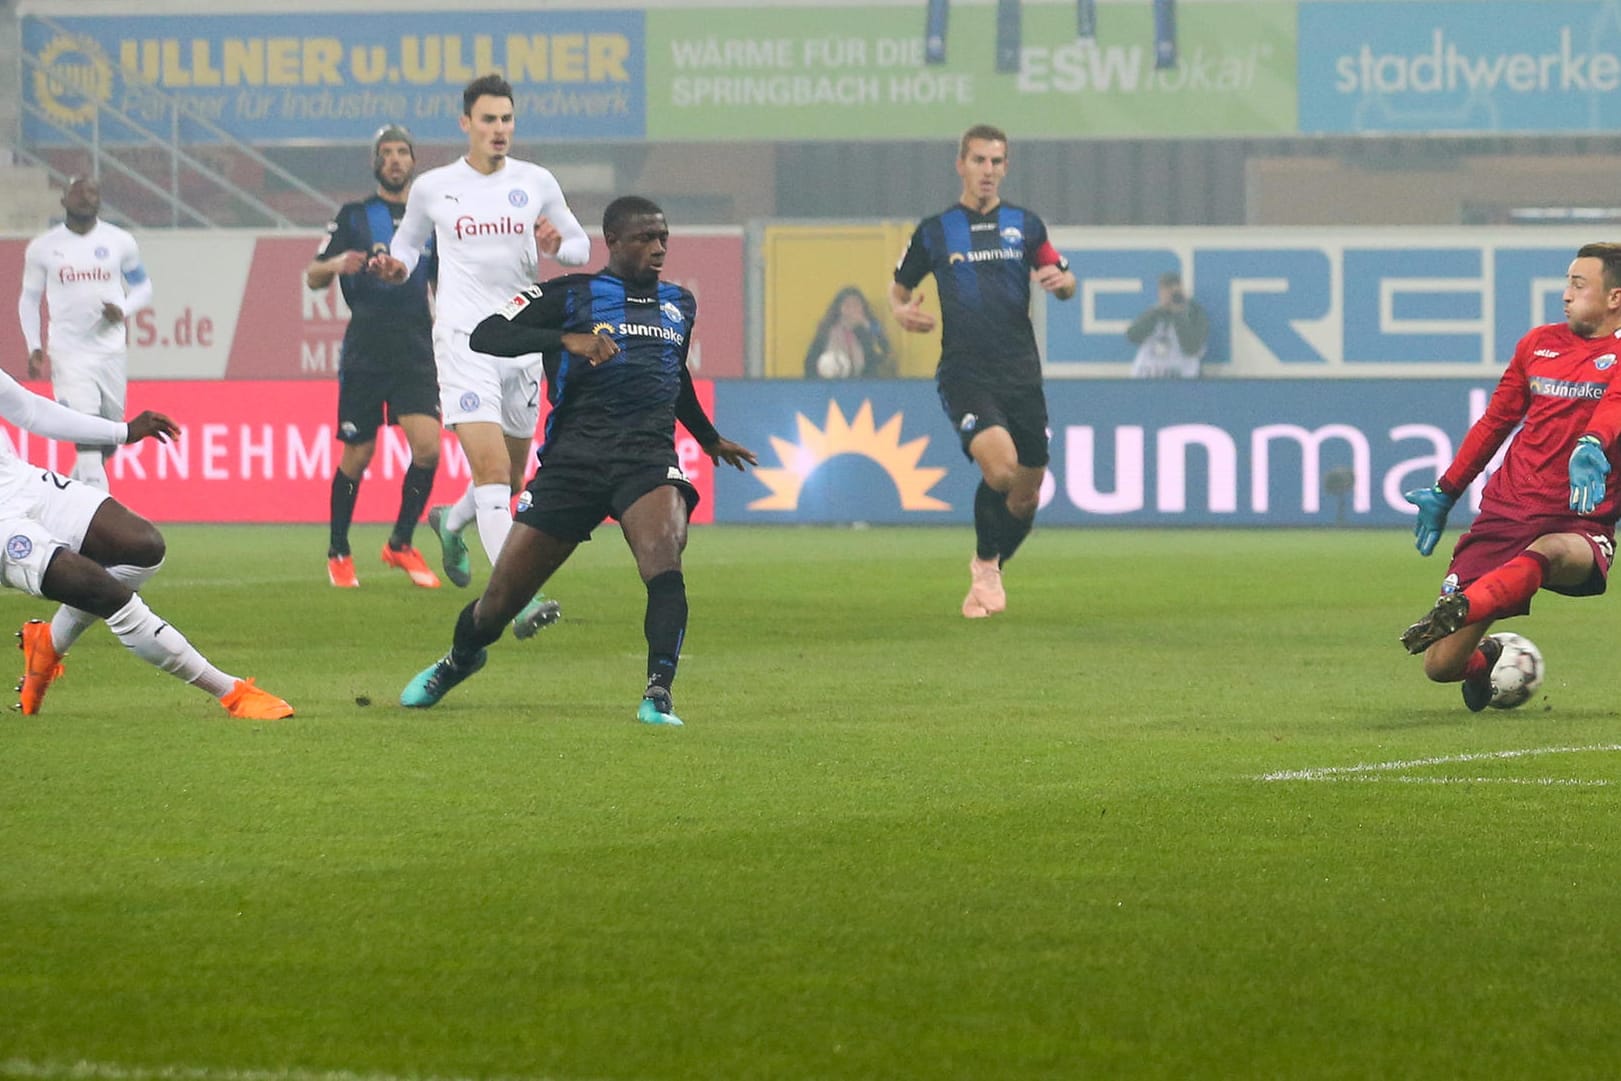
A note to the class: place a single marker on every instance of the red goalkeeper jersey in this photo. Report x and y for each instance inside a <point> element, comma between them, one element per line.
<point>1560,386</point>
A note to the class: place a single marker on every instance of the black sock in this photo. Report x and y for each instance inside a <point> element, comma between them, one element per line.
<point>990,508</point>
<point>469,639</point>
<point>414,492</point>
<point>1014,530</point>
<point>344,493</point>
<point>665,625</point>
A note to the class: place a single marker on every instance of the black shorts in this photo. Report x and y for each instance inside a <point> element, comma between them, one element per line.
<point>973,407</point>
<point>568,501</point>
<point>368,399</point>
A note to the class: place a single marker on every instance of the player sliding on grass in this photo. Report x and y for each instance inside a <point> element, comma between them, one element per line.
<point>616,373</point>
<point>70,542</point>
<point>1547,517</point>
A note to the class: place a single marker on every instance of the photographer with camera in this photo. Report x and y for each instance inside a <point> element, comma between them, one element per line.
<point>1170,337</point>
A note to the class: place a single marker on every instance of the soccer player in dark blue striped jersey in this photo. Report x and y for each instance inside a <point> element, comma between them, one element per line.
<point>616,374</point>
<point>983,254</point>
<point>386,375</point>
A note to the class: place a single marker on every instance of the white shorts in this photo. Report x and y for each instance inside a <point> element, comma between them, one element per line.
<point>478,387</point>
<point>45,513</point>
<point>90,383</point>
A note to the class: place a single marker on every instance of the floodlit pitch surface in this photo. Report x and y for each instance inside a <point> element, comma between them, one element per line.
<point>1127,829</point>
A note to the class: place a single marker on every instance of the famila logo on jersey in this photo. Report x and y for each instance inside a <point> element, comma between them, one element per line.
<point>469,226</point>
<point>68,275</point>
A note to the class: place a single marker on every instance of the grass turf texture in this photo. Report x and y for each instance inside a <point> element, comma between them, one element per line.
<point>890,843</point>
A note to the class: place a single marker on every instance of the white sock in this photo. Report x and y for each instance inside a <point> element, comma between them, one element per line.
<point>463,511</point>
<point>69,623</point>
<point>90,468</point>
<point>494,517</point>
<point>162,646</point>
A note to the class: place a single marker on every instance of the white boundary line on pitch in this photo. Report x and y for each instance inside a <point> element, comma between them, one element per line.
<point>112,1071</point>
<point>1379,771</point>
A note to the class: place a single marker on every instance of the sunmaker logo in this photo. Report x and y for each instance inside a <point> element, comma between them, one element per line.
<point>814,446</point>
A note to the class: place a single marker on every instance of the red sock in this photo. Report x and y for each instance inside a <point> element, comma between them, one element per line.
<point>1507,589</point>
<point>1476,668</point>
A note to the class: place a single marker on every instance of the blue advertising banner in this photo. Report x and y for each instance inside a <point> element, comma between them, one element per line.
<point>1124,452</point>
<point>336,77</point>
<point>1536,66</point>
<point>1288,302</point>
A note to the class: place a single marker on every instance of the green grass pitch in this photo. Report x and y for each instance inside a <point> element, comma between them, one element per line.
<point>890,844</point>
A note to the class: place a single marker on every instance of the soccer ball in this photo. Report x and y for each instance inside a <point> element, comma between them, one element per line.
<point>1517,673</point>
<point>835,364</point>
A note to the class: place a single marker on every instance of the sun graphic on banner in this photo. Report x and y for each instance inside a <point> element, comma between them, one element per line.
<point>839,436</point>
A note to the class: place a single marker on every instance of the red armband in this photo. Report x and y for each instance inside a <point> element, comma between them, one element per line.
<point>1047,255</point>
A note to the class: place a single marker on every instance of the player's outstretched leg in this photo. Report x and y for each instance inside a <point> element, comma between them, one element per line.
<point>453,549</point>
<point>1450,613</point>
<point>42,665</point>
<point>538,613</point>
<point>657,708</point>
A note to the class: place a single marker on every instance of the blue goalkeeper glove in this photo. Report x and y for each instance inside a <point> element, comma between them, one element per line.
<point>1588,468</point>
<point>1433,505</point>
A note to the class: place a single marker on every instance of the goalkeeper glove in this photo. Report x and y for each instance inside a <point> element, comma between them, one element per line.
<point>1433,505</point>
<point>1588,468</point>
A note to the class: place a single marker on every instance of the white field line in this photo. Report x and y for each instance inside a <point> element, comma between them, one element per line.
<point>1379,771</point>
<point>31,1070</point>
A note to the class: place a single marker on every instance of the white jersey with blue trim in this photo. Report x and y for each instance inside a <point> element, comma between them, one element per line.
<point>78,275</point>
<point>484,229</point>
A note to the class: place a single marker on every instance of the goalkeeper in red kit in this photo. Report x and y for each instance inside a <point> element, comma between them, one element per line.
<point>1547,517</point>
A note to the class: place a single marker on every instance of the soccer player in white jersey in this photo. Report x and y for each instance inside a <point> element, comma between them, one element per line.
<point>90,273</point>
<point>493,217</point>
<point>75,544</point>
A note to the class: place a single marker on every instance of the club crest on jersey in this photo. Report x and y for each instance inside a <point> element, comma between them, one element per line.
<point>526,499</point>
<point>518,197</point>
<point>671,312</point>
<point>19,546</point>
<point>1605,362</point>
<point>469,401</point>
<point>101,253</point>
<point>1012,236</point>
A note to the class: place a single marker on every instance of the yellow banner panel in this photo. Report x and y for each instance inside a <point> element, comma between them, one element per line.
<point>810,272</point>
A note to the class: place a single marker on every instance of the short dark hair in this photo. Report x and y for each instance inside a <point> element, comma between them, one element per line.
<point>492,85</point>
<point>1170,277</point>
<point>1608,253</point>
<point>623,209</point>
<point>989,132</point>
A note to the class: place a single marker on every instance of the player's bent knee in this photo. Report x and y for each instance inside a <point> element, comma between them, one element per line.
<point>1023,506</point>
